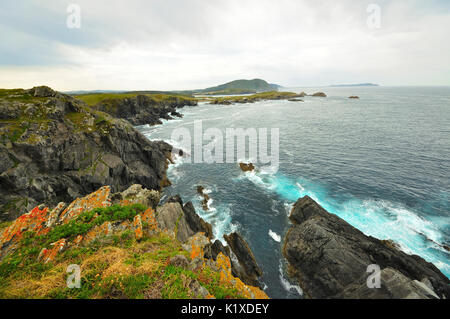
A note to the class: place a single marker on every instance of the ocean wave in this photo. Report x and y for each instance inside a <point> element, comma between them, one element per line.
<point>378,218</point>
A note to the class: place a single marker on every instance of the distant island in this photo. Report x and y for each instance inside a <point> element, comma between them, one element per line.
<point>352,85</point>
<point>241,87</point>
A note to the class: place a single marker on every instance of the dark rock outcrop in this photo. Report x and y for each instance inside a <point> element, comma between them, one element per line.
<point>329,258</point>
<point>319,94</point>
<point>247,167</point>
<point>206,198</point>
<point>247,268</point>
<point>215,249</point>
<point>144,109</point>
<point>195,222</point>
<point>54,148</point>
<point>354,97</point>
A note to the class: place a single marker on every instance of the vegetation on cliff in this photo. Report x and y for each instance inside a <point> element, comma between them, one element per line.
<point>123,249</point>
<point>139,109</point>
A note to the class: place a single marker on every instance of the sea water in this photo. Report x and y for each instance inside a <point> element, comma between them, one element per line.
<point>382,163</point>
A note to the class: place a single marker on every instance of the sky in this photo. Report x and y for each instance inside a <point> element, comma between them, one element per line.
<point>192,44</point>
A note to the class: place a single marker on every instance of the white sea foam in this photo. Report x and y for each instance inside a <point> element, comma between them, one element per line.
<point>275,236</point>
<point>378,218</point>
<point>287,285</point>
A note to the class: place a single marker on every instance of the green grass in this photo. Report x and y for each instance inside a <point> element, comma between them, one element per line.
<point>116,266</point>
<point>94,99</point>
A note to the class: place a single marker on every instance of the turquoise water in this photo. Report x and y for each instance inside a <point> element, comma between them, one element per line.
<point>381,163</point>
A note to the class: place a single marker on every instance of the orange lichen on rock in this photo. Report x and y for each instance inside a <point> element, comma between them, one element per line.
<point>100,198</point>
<point>137,226</point>
<point>196,244</point>
<point>148,217</point>
<point>98,231</point>
<point>226,278</point>
<point>47,255</point>
<point>35,221</point>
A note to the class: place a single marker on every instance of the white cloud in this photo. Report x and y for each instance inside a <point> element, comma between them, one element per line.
<point>194,44</point>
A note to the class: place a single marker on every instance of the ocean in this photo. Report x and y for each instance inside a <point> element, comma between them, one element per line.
<point>382,163</point>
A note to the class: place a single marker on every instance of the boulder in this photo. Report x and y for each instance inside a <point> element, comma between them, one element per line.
<point>319,94</point>
<point>329,258</point>
<point>353,97</point>
<point>138,195</point>
<point>247,167</point>
<point>42,91</point>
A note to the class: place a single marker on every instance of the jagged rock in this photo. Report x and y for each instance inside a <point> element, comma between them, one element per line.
<point>247,167</point>
<point>329,258</point>
<point>195,222</point>
<point>319,94</point>
<point>171,217</point>
<point>54,214</point>
<point>65,150</point>
<point>249,270</point>
<point>214,249</point>
<point>206,198</point>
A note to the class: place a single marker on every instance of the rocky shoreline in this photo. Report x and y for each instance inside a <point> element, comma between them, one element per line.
<point>57,149</point>
<point>143,109</point>
<point>329,258</point>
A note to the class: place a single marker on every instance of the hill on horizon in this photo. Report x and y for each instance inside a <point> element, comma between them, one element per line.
<point>241,86</point>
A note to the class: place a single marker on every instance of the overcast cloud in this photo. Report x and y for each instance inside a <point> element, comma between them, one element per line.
<point>194,44</point>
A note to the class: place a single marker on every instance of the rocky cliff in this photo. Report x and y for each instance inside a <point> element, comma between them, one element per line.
<point>143,109</point>
<point>55,148</point>
<point>126,245</point>
<point>329,258</point>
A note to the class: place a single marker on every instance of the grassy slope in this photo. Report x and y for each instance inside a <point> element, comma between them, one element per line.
<point>116,266</point>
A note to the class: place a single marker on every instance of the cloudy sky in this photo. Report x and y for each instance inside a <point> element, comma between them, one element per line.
<point>190,44</point>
